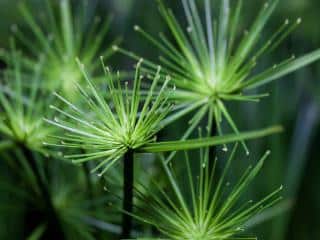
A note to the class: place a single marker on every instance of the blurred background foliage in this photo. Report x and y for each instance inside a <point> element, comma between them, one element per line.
<point>294,103</point>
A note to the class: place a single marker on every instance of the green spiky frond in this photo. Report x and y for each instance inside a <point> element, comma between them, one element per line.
<point>211,65</point>
<point>204,206</point>
<point>62,37</point>
<point>108,130</point>
<point>22,104</point>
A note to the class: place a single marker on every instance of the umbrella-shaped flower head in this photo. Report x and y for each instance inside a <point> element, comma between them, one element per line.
<point>204,206</point>
<point>106,130</point>
<point>211,64</point>
<point>64,34</point>
<point>23,104</point>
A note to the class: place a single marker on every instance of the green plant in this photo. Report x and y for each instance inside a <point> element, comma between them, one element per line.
<point>73,212</point>
<point>64,36</point>
<point>110,131</point>
<point>208,67</point>
<point>112,134</point>
<point>123,126</point>
<point>95,120</point>
<point>207,208</point>
<point>50,191</point>
<point>22,104</point>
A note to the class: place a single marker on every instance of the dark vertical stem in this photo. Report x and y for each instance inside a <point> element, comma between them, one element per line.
<point>54,226</point>
<point>128,172</point>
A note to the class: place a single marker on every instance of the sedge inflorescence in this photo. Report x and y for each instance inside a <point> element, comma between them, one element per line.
<point>108,129</point>
<point>22,104</point>
<point>202,206</point>
<point>64,36</point>
<point>210,64</point>
<point>97,120</point>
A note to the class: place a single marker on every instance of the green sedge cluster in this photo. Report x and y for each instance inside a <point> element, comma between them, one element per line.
<point>62,38</point>
<point>203,68</point>
<point>204,207</point>
<point>210,64</point>
<point>107,130</point>
<point>22,104</point>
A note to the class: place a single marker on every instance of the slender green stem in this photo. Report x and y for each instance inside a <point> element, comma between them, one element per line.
<point>128,176</point>
<point>206,142</point>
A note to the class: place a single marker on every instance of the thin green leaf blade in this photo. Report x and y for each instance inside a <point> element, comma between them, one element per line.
<point>278,72</point>
<point>206,142</point>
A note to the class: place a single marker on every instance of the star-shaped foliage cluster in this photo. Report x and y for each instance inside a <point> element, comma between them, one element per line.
<point>210,64</point>
<point>23,103</point>
<point>108,129</point>
<point>203,206</point>
<point>63,35</point>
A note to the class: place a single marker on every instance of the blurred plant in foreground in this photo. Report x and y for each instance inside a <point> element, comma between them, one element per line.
<point>23,104</point>
<point>51,204</point>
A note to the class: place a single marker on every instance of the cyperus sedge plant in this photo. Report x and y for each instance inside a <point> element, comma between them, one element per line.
<point>204,206</point>
<point>128,123</point>
<point>113,131</point>
<point>23,104</point>
<point>211,65</point>
<point>75,210</point>
<point>109,130</point>
<point>64,35</point>
<point>48,186</point>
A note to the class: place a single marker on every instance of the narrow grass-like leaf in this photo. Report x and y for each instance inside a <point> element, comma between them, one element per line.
<point>205,142</point>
